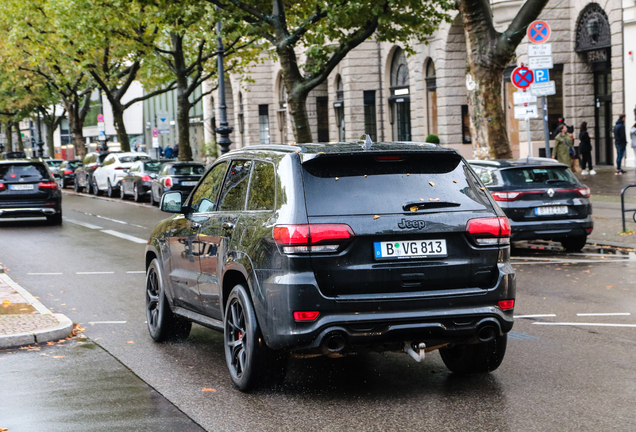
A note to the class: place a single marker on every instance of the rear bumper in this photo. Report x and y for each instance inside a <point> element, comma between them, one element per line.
<point>29,211</point>
<point>380,323</point>
<point>550,230</point>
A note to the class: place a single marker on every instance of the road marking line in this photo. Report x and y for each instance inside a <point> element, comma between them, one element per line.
<point>584,324</point>
<point>568,261</point>
<point>137,271</point>
<point>84,224</point>
<point>535,316</point>
<point>107,322</point>
<point>521,336</point>
<point>604,314</point>
<point>93,273</point>
<point>43,274</point>
<point>125,236</point>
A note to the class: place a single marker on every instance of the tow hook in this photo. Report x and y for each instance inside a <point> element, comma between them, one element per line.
<point>418,355</point>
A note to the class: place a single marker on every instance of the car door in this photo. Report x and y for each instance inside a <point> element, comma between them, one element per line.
<point>217,230</point>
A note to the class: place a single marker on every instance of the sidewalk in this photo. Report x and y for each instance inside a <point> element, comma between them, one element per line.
<point>24,320</point>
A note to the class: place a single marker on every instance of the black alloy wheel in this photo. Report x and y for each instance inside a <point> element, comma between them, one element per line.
<point>136,195</point>
<point>55,219</point>
<point>242,337</point>
<point>475,358</point>
<point>574,243</point>
<point>162,323</point>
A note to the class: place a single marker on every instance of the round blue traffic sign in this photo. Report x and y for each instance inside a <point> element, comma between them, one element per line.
<point>522,77</point>
<point>539,32</point>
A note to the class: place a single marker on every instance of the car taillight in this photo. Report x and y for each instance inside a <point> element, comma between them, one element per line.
<point>68,172</point>
<point>312,237</point>
<point>489,231</point>
<point>120,168</point>
<point>167,182</point>
<point>306,315</point>
<point>146,178</point>
<point>2,186</point>
<point>512,196</point>
<point>47,185</point>
<point>506,304</point>
<point>584,192</point>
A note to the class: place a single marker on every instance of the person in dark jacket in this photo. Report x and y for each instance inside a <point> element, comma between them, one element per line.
<point>585,147</point>
<point>620,141</point>
<point>168,153</point>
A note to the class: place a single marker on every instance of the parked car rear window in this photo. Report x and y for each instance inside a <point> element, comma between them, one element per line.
<point>534,175</point>
<point>187,170</point>
<point>152,166</point>
<point>129,159</point>
<point>26,172</point>
<point>54,163</point>
<point>361,184</point>
<point>74,164</point>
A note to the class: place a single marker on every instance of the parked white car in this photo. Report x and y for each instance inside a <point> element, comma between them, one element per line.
<point>107,178</point>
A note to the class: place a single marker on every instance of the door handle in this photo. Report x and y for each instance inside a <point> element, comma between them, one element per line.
<point>228,226</point>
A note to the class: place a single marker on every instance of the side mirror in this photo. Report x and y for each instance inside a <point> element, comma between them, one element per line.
<point>171,203</point>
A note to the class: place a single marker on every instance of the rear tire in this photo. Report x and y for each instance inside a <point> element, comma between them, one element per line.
<point>76,187</point>
<point>95,189</point>
<point>574,243</point>
<point>162,323</point>
<point>152,199</point>
<point>112,191</point>
<point>475,358</point>
<point>136,195</point>
<point>55,219</point>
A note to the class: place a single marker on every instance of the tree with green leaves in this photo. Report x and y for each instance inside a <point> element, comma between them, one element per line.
<point>326,32</point>
<point>489,52</point>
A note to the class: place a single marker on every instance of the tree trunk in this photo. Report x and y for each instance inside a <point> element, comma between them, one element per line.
<point>120,127</point>
<point>9,137</point>
<point>20,141</point>
<point>49,141</point>
<point>183,125</point>
<point>76,123</point>
<point>298,111</point>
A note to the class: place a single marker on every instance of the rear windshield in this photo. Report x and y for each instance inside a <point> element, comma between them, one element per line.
<point>74,164</point>
<point>152,166</point>
<point>129,159</point>
<point>25,172</point>
<point>187,170</point>
<point>537,175</point>
<point>15,155</point>
<point>363,185</point>
<point>54,163</point>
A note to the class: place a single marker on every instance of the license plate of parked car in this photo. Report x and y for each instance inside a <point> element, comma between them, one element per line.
<point>551,210</point>
<point>21,187</point>
<point>189,183</point>
<point>410,249</point>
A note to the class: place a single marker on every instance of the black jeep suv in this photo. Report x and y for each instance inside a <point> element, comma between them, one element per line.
<point>335,249</point>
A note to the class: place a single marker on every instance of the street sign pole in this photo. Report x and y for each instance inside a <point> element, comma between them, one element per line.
<point>546,132</point>
<point>529,138</point>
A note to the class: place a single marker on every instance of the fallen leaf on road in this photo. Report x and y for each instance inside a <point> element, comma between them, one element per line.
<point>586,271</point>
<point>4,429</point>
<point>131,342</point>
<point>62,292</point>
<point>610,286</point>
<point>431,183</point>
<point>376,217</point>
<point>58,356</point>
<point>208,389</point>
<point>6,303</point>
<point>73,309</point>
<point>50,343</point>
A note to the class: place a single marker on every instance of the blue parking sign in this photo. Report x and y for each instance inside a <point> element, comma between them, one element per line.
<point>541,75</point>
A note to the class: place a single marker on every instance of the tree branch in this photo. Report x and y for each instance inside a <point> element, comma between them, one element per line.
<point>169,87</point>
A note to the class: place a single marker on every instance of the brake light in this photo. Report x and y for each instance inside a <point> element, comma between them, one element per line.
<point>146,178</point>
<point>506,304</point>
<point>489,231</point>
<point>584,192</point>
<point>306,315</point>
<point>47,185</point>
<point>512,196</point>
<point>312,237</point>
<point>68,172</point>
<point>2,186</point>
<point>390,158</point>
<point>167,182</point>
<point>120,168</point>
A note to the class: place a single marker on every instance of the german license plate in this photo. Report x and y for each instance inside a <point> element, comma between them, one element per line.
<point>551,210</point>
<point>410,249</point>
<point>189,183</point>
<point>21,187</point>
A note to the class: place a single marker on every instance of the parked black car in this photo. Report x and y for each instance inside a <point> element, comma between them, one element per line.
<point>138,179</point>
<point>333,250</point>
<point>84,173</point>
<point>66,172</point>
<point>542,198</point>
<point>176,176</point>
<point>28,189</point>
<point>12,155</point>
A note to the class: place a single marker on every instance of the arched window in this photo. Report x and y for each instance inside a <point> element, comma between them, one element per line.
<point>400,102</point>
<point>431,98</point>
<point>282,110</point>
<point>339,107</point>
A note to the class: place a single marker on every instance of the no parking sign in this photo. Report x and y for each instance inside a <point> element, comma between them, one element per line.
<point>539,32</point>
<point>522,77</point>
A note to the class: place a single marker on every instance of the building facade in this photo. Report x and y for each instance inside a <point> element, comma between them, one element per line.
<point>381,90</point>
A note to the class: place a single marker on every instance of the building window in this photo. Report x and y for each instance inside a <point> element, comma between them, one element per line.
<point>322,114</point>
<point>400,101</point>
<point>241,120</point>
<point>555,102</point>
<point>466,138</point>
<point>431,98</point>
<point>338,105</point>
<point>370,124</point>
<point>282,110</point>
<point>263,123</point>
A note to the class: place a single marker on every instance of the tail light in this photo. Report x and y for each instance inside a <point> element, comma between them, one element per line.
<point>489,231</point>
<point>68,172</point>
<point>584,192</point>
<point>47,185</point>
<point>146,178</point>
<point>168,182</point>
<point>312,237</point>
<point>512,196</point>
<point>120,168</point>
<point>2,186</point>
<point>306,315</point>
<point>506,304</point>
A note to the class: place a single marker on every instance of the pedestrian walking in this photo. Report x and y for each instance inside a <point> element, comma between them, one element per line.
<point>632,134</point>
<point>562,146</point>
<point>585,147</point>
<point>620,142</point>
<point>175,151</point>
<point>168,153</point>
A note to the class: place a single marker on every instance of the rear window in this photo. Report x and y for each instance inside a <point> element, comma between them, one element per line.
<point>187,170</point>
<point>129,159</point>
<point>537,175</point>
<point>74,164</point>
<point>15,155</point>
<point>25,172</point>
<point>54,163</point>
<point>363,185</point>
<point>152,166</point>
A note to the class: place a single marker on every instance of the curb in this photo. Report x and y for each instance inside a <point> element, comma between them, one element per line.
<point>60,331</point>
<point>611,244</point>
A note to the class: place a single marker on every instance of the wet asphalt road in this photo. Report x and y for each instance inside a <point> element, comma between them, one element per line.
<point>562,371</point>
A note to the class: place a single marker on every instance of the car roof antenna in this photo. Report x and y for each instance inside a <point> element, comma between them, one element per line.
<point>367,141</point>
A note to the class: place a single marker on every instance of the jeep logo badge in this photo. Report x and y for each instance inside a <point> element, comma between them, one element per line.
<point>406,224</point>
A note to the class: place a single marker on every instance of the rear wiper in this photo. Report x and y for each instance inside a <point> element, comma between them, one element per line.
<point>422,205</point>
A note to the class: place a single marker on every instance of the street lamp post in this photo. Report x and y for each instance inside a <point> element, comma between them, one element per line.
<point>40,143</point>
<point>224,130</point>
